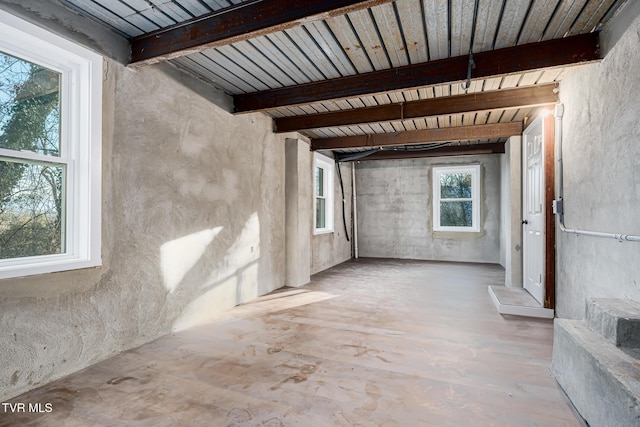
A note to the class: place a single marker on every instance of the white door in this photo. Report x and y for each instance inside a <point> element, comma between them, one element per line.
<point>533,209</point>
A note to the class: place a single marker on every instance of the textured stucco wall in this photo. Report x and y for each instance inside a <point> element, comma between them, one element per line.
<point>511,212</point>
<point>601,149</point>
<point>193,223</point>
<point>330,249</point>
<point>299,213</point>
<point>395,212</point>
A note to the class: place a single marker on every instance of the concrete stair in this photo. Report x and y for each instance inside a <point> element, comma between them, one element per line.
<point>597,362</point>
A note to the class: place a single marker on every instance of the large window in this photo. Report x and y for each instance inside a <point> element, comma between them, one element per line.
<point>456,198</point>
<point>323,168</point>
<point>50,151</point>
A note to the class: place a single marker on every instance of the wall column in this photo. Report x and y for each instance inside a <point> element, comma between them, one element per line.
<point>298,212</point>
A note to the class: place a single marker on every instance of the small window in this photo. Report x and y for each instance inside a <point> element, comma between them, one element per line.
<point>323,168</point>
<point>456,198</point>
<point>50,151</point>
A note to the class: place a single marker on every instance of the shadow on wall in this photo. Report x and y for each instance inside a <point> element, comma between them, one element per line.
<point>226,283</point>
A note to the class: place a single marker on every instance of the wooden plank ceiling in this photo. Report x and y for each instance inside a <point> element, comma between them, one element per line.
<point>366,76</point>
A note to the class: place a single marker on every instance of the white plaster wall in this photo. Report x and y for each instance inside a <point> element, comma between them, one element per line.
<point>333,248</point>
<point>193,224</point>
<point>395,212</point>
<point>601,140</point>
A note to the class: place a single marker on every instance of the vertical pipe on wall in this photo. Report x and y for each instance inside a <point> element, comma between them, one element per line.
<point>355,211</point>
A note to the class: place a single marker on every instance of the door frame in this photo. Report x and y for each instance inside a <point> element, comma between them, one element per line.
<point>548,134</point>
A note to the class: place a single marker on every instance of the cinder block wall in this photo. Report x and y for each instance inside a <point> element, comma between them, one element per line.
<point>394,203</point>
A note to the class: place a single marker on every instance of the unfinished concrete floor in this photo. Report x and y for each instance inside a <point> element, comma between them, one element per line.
<point>367,343</point>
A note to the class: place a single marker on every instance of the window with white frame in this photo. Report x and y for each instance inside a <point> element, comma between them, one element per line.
<point>323,168</point>
<point>456,198</point>
<point>50,151</point>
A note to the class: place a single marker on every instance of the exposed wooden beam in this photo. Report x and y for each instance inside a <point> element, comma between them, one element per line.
<point>515,59</point>
<point>530,96</point>
<point>425,136</point>
<point>449,150</point>
<point>236,23</point>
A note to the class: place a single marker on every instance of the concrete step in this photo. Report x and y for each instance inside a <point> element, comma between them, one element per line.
<point>600,379</point>
<point>618,321</point>
<point>518,302</point>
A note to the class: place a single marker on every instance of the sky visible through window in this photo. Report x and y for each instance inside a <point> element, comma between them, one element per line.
<point>31,193</point>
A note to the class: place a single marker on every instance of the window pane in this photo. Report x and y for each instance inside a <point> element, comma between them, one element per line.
<point>320,213</point>
<point>31,209</point>
<point>319,182</point>
<point>456,214</point>
<point>29,107</point>
<point>455,186</point>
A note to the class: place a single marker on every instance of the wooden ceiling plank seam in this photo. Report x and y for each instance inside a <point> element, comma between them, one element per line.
<point>524,21</point>
<point>283,58</point>
<point>481,118</point>
<point>267,48</point>
<point>175,11</point>
<point>487,24</point>
<point>371,43</point>
<point>295,55</point>
<point>327,52</point>
<point>200,64</point>
<point>537,20</point>
<point>104,15</point>
<point>462,133</point>
<point>263,62</point>
<point>305,43</point>
<point>242,67</point>
<point>512,19</point>
<point>196,8</point>
<point>461,25</point>
<point>564,17</point>
<point>348,39</point>
<point>510,81</point>
<point>205,75</point>
<point>382,99</point>
<point>411,20</point>
<point>384,17</point>
<point>315,51</point>
<point>593,14</point>
<point>549,76</point>
<point>158,17</point>
<point>529,79</point>
<point>334,48</point>
<point>432,122</point>
<point>383,45</point>
<point>221,67</point>
<point>236,23</point>
<point>436,15</point>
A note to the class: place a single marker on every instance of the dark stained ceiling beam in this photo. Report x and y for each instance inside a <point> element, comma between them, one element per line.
<point>236,23</point>
<point>449,150</point>
<point>530,96</point>
<point>517,59</point>
<point>424,136</point>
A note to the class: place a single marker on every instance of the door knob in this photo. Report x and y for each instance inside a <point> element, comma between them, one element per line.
<point>524,221</point>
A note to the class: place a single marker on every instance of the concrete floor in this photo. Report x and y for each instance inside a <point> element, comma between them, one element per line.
<point>367,343</point>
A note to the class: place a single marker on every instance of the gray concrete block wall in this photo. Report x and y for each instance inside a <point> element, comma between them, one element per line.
<point>395,212</point>
<point>193,223</point>
<point>600,134</point>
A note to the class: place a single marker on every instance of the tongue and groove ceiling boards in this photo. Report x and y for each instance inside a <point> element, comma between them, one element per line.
<point>352,75</point>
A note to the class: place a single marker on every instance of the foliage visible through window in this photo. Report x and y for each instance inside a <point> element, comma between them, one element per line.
<point>31,201</point>
<point>50,151</point>
<point>320,199</point>
<point>456,198</point>
<point>323,168</point>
